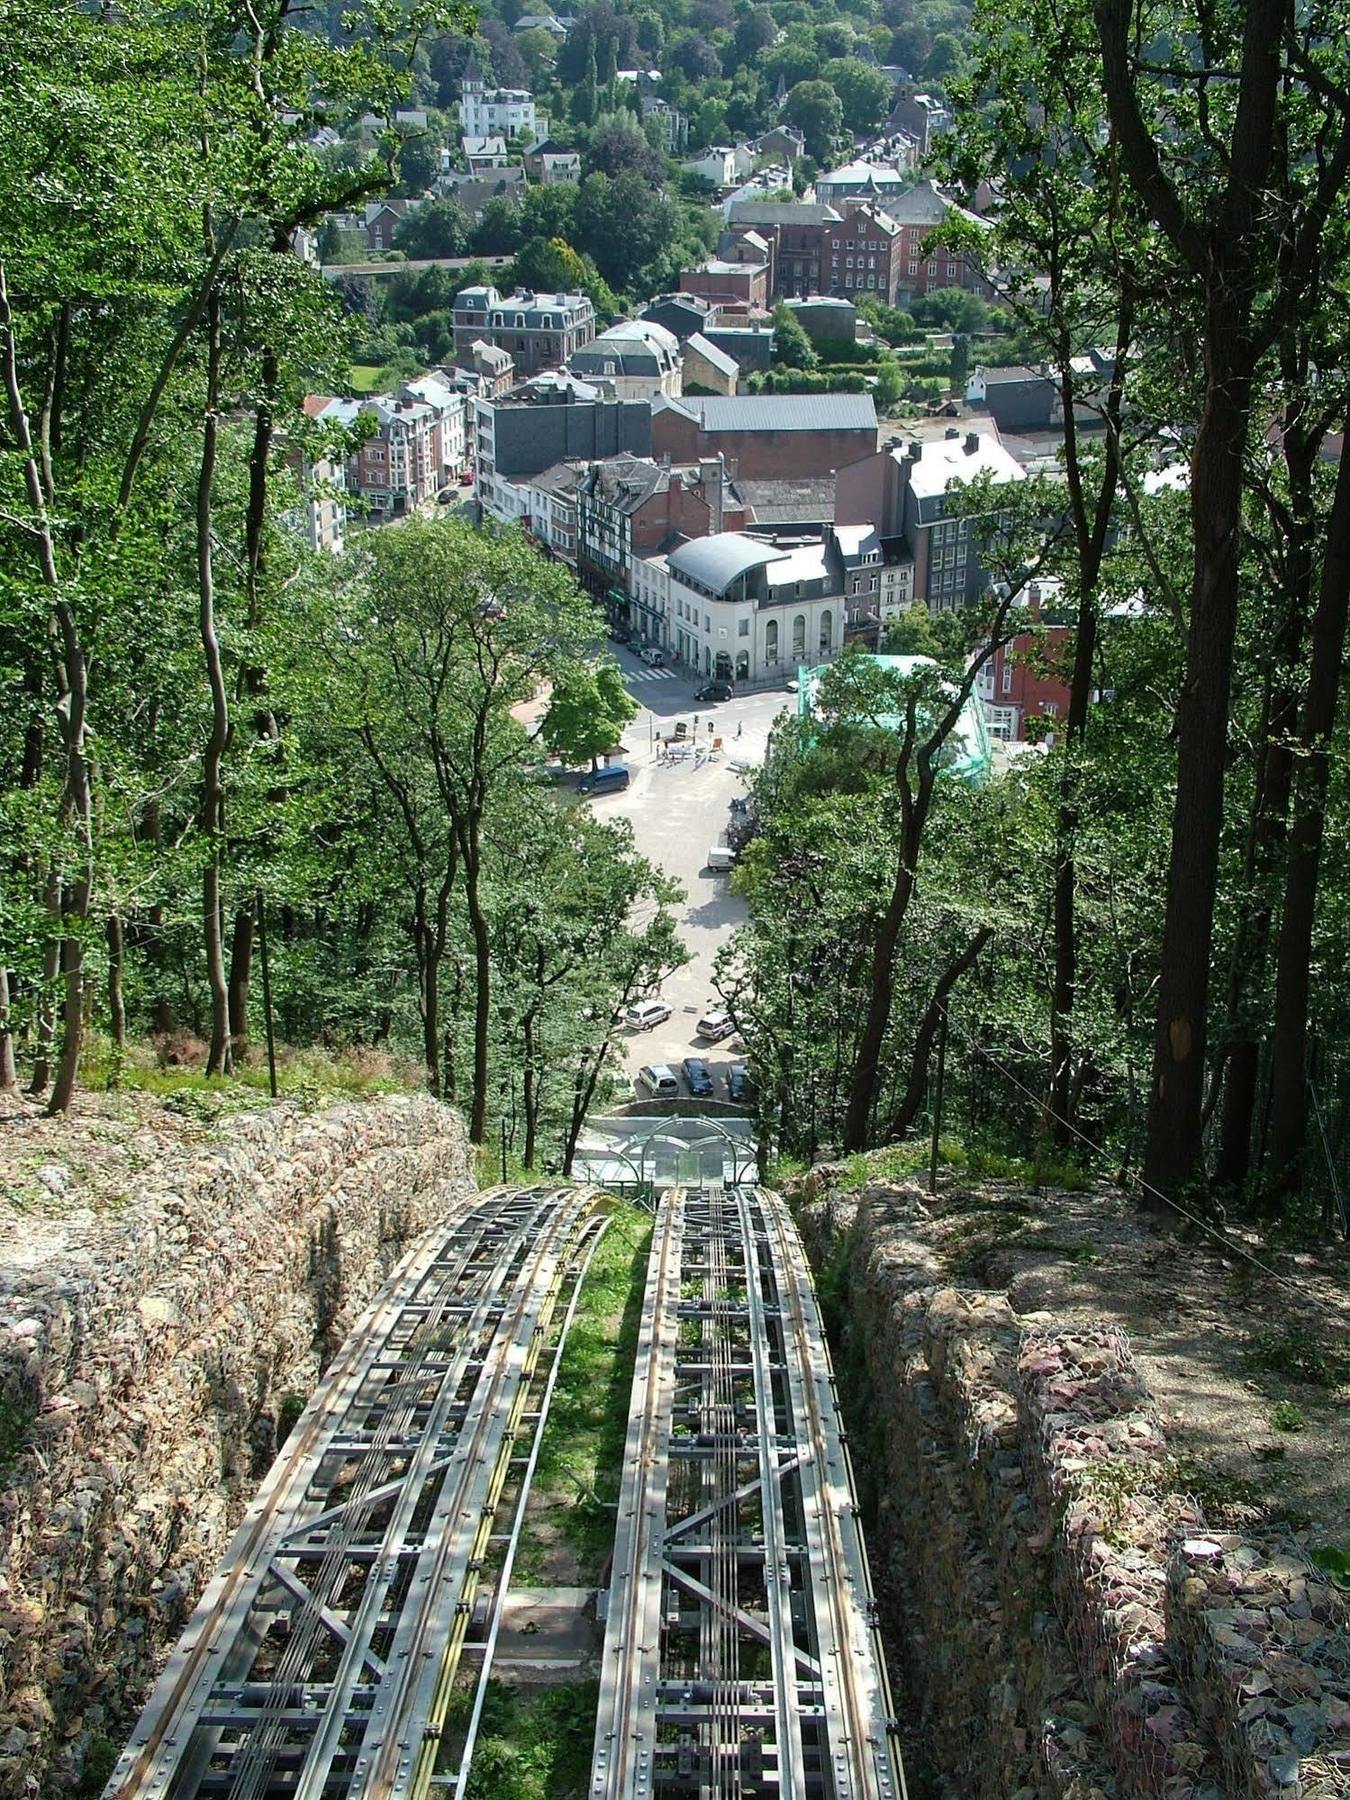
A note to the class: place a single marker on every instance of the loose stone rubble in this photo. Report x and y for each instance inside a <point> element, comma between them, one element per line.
<point>150,1359</point>
<point>1068,1626</point>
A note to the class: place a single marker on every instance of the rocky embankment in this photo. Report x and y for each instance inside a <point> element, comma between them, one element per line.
<point>152,1356</point>
<point>1065,1622</point>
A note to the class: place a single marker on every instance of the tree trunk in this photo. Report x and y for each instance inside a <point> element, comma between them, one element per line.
<point>1289,1095</point>
<point>218,1061</point>
<point>117,1011</point>
<point>1091,534</point>
<point>1222,256</point>
<point>44,1020</point>
<point>241,967</point>
<point>912,1104</point>
<point>1297,524</point>
<point>1172,1156</point>
<point>881,989</point>
<point>72,706</point>
<point>471,852</point>
<point>9,1075</point>
<point>530,1095</point>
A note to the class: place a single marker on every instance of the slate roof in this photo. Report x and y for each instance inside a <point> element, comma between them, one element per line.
<point>717,359</point>
<point>781,412</point>
<point>781,212</point>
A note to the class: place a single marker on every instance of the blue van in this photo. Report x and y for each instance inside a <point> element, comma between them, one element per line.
<point>610,780</point>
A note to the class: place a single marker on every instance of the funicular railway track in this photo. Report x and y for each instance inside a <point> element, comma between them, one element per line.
<point>320,1661</point>
<point>741,1654</point>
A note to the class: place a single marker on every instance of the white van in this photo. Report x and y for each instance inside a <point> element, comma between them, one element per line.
<point>720,859</point>
<point>645,1014</point>
<point>660,1081</point>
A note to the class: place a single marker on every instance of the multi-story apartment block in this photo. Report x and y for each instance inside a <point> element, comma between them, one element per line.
<point>554,418</point>
<point>539,331</point>
<point>418,445</point>
<point>904,493</point>
<point>793,231</point>
<point>861,254</point>
<point>923,268</point>
<point>767,437</point>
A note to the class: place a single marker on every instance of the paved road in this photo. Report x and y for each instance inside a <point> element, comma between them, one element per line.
<point>678,812</point>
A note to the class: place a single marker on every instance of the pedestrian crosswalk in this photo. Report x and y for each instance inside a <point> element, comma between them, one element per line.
<point>647,673</point>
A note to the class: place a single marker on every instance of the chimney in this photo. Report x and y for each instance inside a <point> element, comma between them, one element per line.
<point>915,450</point>
<point>952,431</point>
<point>972,442</point>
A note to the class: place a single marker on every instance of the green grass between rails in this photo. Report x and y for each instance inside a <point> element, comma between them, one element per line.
<point>533,1744</point>
<point>576,1482</point>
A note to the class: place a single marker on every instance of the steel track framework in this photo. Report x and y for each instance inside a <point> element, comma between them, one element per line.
<point>741,1652</point>
<point>320,1661</point>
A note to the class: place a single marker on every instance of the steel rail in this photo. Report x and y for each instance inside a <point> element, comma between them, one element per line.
<point>406,1418</point>
<point>239,1576</point>
<point>591,1245</point>
<point>741,1366</point>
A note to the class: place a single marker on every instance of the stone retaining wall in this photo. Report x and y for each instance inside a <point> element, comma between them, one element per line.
<point>153,1356</point>
<point>1064,1624</point>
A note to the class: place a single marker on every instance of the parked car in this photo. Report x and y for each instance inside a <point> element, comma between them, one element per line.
<point>739,1085</point>
<point>654,655</point>
<point>715,690</point>
<point>792,684</point>
<point>699,1076</point>
<point>721,859</point>
<point>714,1025</point>
<point>660,1081</point>
<point>645,1014</point>
<point>610,780</point>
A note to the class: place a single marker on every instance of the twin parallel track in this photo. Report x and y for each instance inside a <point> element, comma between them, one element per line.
<point>741,1656</point>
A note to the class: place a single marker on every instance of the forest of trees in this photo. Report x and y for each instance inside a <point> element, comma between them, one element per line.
<point>205,730</point>
<point>1135,934</point>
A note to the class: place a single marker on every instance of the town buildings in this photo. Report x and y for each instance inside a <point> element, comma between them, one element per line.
<point>862,253</point>
<point>554,418</point>
<point>742,608</point>
<point>539,331</point>
<point>739,284</point>
<point>872,182</point>
<point>903,491</point>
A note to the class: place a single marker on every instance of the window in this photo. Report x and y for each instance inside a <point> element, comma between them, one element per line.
<point>771,641</point>
<point>914,268</point>
<point>826,630</point>
<point>742,628</point>
<point>799,635</point>
<point>1007,678</point>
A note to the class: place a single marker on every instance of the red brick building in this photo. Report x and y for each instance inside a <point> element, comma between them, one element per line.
<point>743,285</point>
<point>861,254</point>
<point>1024,685</point>
<point>766,437</point>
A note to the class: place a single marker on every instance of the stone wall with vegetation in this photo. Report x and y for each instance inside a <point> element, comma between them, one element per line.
<point>151,1359</point>
<point>1064,1623</point>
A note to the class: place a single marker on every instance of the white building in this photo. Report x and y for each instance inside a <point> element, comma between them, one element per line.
<point>741,609</point>
<point>490,112</point>
<point>634,360</point>
<point>649,586</point>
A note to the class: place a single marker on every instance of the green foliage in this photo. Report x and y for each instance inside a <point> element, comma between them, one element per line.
<point>815,109</point>
<point>1286,1416</point>
<point>1298,1353</point>
<point>436,228</point>
<point>587,711</point>
<point>580,1464</point>
<point>792,347</point>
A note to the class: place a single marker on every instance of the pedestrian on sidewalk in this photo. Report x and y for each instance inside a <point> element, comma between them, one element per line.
<point>739,724</point>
